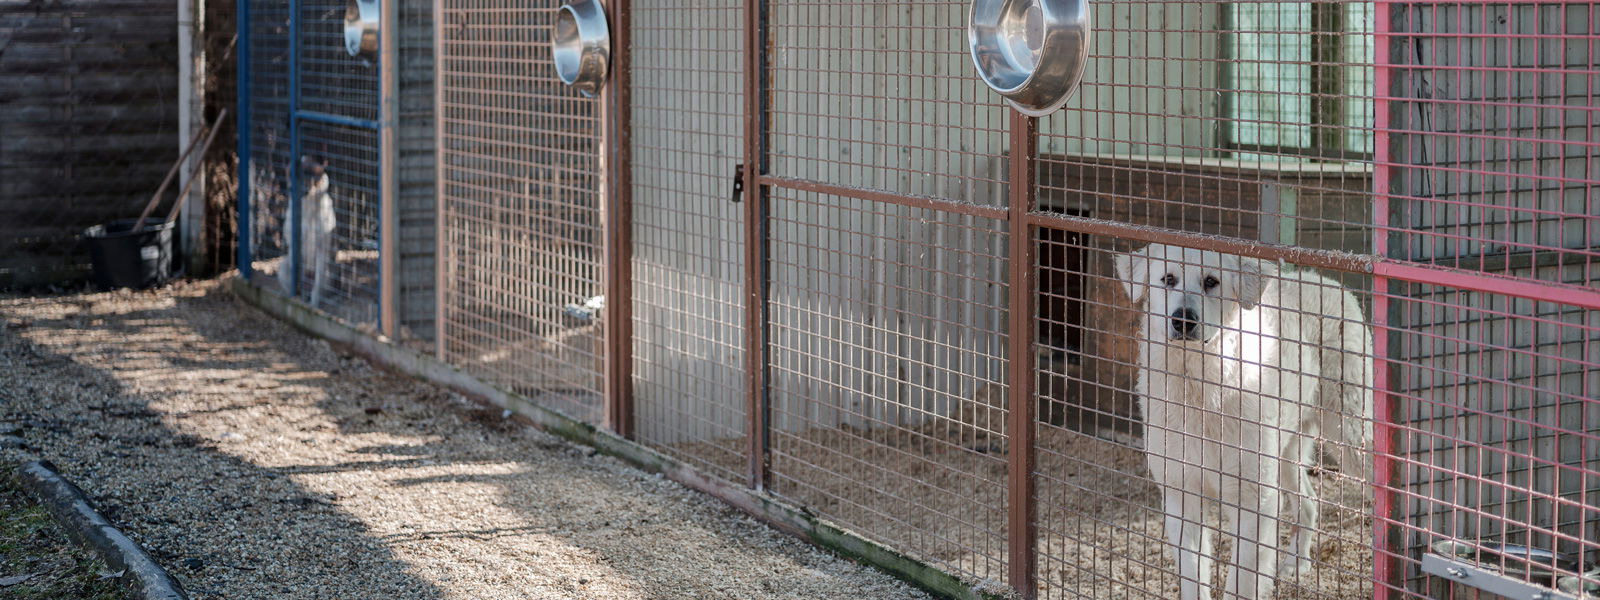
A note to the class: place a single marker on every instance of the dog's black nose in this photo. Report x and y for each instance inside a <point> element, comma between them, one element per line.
<point>1185,322</point>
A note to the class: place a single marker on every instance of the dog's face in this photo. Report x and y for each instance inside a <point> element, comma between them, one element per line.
<point>1188,294</point>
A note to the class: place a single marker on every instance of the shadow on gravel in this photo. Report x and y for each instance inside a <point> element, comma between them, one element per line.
<point>283,468</point>
<point>223,525</point>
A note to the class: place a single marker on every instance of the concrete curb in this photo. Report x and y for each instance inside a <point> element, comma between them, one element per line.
<point>71,509</point>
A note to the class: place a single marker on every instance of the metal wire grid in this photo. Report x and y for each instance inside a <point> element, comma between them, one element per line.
<point>886,322</point>
<point>879,95</point>
<point>1251,120</point>
<point>339,265</point>
<point>1497,123</point>
<point>270,154</point>
<point>1499,431</point>
<point>519,208</point>
<point>1101,515</point>
<point>332,81</point>
<point>688,276</point>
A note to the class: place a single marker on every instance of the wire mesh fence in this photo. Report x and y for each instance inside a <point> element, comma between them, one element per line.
<point>688,271</point>
<point>314,159</point>
<point>519,194</point>
<point>1292,300</point>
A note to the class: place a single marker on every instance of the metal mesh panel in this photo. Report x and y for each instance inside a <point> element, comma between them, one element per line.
<point>689,338</point>
<point>520,212</point>
<point>270,153</point>
<point>1496,173</point>
<point>339,220</point>
<point>1249,120</point>
<point>1500,428</point>
<point>887,339</point>
<point>880,95</point>
<point>332,81</point>
<point>1497,134</point>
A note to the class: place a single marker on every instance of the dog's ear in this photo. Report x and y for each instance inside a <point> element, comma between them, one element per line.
<point>1253,276</point>
<point>1130,269</point>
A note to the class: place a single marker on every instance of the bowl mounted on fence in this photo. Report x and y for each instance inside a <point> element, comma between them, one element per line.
<point>581,46</point>
<point>361,29</point>
<point>1030,51</point>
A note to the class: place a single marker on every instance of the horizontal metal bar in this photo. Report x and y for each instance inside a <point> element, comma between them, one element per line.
<point>1545,291</point>
<point>322,117</point>
<point>1489,581</point>
<point>1326,259</point>
<point>993,212</point>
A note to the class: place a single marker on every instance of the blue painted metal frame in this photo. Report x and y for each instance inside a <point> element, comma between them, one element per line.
<point>293,270</point>
<point>244,256</point>
<point>322,117</point>
<point>241,122</point>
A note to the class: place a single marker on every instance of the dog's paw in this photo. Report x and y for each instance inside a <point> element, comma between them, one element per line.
<point>1293,565</point>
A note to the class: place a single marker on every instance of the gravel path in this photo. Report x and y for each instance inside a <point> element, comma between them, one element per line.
<point>255,462</point>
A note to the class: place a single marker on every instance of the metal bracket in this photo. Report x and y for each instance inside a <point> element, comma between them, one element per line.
<point>1473,576</point>
<point>738,183</point>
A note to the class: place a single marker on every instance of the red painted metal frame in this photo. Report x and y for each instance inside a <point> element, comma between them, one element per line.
<point>615,122</point>
<point>1385,529</point>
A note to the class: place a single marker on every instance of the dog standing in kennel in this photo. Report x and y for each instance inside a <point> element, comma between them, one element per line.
<point>317,225</point>
<point>1242,368</point>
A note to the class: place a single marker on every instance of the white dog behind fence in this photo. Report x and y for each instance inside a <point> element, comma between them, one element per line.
<point>1242,368</point>
<point>318,223</point>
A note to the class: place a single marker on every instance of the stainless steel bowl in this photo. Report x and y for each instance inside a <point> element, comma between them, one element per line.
<point>1030,51</point>
<point>361,29</point>
<point>581,46</point>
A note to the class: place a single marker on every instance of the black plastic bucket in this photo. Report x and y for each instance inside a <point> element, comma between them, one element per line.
<point>122,258</point>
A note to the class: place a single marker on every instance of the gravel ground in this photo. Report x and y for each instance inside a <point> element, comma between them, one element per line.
<point>255,462</point>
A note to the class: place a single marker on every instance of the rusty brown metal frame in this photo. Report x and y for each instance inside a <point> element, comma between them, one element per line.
<point>1022,526</point>
<point>756,239</point>
<point>617,174</point>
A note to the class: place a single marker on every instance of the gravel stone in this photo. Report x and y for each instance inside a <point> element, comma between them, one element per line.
<point>229,444</point>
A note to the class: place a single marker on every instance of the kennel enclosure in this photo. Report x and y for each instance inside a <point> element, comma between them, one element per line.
<point>800,248</point>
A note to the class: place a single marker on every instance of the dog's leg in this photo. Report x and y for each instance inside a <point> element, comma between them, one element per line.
<point>318,272</point>
<point>1191,543</point>
<point>1300,504</point>
<point>1251,509</point>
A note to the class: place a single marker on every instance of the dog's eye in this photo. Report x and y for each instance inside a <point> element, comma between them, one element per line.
<point>1212,282</point>
<point>1169,280</point>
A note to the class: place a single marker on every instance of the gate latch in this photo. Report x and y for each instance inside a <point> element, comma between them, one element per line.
<point>738,182</point>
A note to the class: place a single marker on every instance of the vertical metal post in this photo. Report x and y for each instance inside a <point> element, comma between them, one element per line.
<point>241,121</point>
<point>1022,552</point>
<point>756,238</point>
<point>295,184</point>
<point>440,222</point>
<point>388,159</point>
<point>1384,563</point>
<point>617,171</point>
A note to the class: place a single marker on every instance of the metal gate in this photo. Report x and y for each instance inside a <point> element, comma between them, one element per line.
<point>312,168</point>
<point>800,247</point>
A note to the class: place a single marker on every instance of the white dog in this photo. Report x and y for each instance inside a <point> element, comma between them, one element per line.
<point>317,225</point>
<point>1241,369</point>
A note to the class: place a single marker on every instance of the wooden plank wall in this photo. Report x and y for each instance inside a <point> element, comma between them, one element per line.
<point>88,125</point>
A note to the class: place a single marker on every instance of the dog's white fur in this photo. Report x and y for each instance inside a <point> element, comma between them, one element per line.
<point>317,225</point>
<point>1235,394</point>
